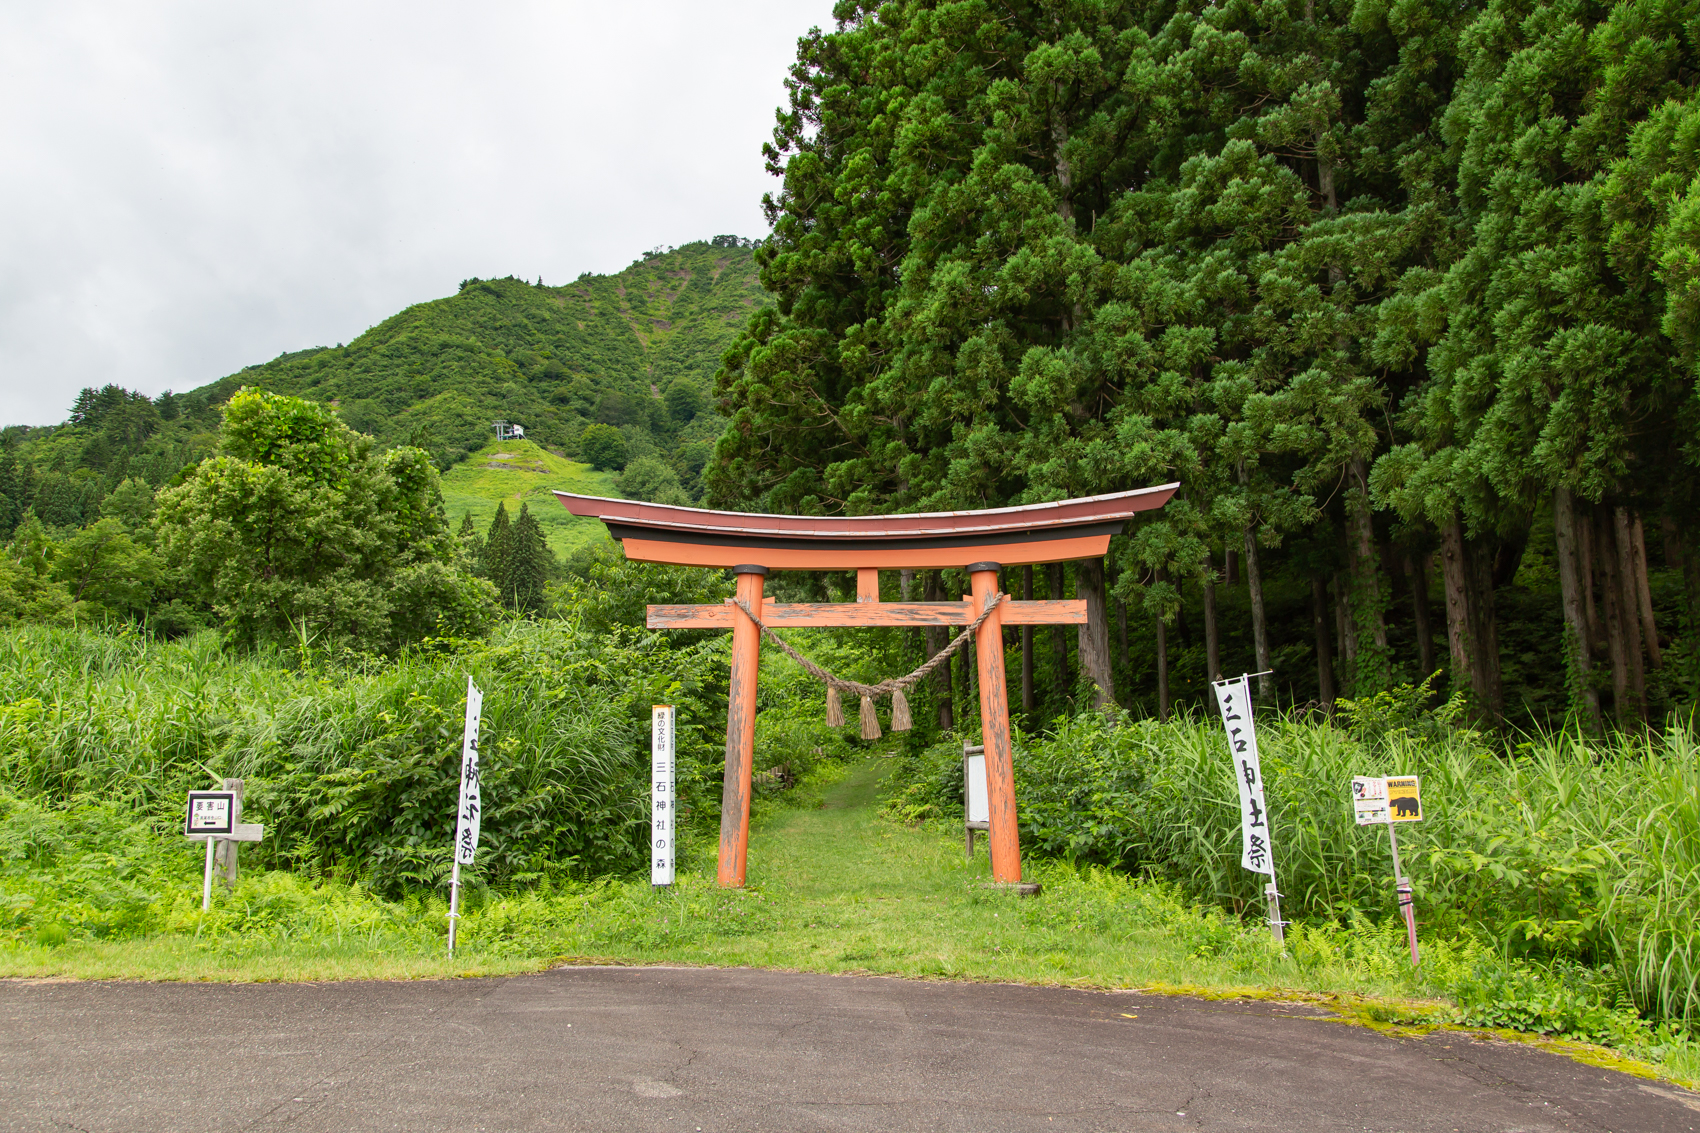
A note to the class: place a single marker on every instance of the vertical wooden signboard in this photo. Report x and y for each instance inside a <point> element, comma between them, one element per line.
<point>663,800</point>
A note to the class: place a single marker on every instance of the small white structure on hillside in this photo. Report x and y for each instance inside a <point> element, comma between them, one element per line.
<point>505,431</point>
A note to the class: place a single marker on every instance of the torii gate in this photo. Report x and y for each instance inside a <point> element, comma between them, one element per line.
<point>980,542</point>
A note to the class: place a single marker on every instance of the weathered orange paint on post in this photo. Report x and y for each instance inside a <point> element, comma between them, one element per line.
<point>1003,837</point>
<point>867,585</point>
<point>740,730</point>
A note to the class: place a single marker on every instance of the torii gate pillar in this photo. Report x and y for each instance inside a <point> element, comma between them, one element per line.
<point>1037,533</point>
<point>740,730</point>
<point>1002,833</point>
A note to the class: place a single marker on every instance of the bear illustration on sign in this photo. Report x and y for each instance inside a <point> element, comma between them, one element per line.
<point>1404,799</point>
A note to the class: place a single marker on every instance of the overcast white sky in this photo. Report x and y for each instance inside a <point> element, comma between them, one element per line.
<point>190,187</point>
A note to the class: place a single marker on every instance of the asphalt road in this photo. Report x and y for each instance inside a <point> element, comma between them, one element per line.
<point>684,1049</point>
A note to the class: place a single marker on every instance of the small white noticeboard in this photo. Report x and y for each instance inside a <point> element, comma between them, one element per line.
<point>663,803</point>
<point>212,814</point>
<point>1369,799</point>
<point>975,789</point>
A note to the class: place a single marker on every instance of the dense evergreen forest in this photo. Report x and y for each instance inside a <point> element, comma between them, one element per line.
<point>1406,296</point>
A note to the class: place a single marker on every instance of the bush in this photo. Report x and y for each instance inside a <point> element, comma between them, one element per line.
<point>603,447</point>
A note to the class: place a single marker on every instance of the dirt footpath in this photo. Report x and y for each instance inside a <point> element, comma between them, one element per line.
<point>683,1049</point>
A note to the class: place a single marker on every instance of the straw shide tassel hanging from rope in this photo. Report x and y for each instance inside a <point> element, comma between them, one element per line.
<point>834,708</point>
<point>900,721</point>
<point>870,721</point>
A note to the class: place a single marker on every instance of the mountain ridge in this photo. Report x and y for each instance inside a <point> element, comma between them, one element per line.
<point>636,349</point>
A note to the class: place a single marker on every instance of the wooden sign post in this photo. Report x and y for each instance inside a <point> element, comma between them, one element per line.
<point>978,542</point>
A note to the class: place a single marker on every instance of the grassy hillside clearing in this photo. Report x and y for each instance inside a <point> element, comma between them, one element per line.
<point>522,471</point>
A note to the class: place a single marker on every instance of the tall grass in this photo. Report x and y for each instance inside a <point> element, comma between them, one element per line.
<point>1566,849</point>
<point>354,769</point>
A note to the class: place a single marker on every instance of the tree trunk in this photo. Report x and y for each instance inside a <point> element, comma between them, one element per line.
<point>1346,631</point>
<point>1590,608</point>
<point>1212,631</point>
<point>1372,673</point>
<point>1325,691</point>
<point>1027,645</point>
<point>1459,639</point>
<point>1611,591</point>
<point>1162,664</point>
<point>1259,628</point>
<point>1484,632</point>
<point>1584,699</point>
<point>1121,631</point>
<point>1417,568</point>
<point>937,639</point>
<point>1059,635</point>
<point>1629,607</point>
<point>1230,567</point>
<point>1094,648</point>
<point>1681,558</point>
<point>1644,593</point>
<point>965,660</point>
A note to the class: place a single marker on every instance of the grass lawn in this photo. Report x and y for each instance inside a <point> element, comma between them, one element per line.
<point>520,471</point>
<point>833,887</point>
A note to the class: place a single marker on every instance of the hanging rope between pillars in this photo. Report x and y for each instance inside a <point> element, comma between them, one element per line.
<point>892,686</point>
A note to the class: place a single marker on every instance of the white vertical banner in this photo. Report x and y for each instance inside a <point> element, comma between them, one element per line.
<point>471,806</point>
<point>1233,699</point>
<point>663,804</point>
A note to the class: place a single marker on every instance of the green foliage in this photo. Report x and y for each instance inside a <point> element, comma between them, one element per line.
<point>28,593</point>
<point>650,478</point>
<point>603,447</point>
<point>604,590</point>
<point>1569,852</point>
<point>105,571</point>
<point>353,769</point>
<point>301,530</point>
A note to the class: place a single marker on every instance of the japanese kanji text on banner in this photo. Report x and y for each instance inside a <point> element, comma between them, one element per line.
<point>663,805</point>
<point>1233,698</point>
<point>471,804</point>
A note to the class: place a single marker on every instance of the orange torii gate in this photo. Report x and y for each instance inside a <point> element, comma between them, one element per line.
<point>979,542</point>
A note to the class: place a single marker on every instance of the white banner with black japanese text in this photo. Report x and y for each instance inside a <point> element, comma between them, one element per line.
<point>663,818</point>
<point>471,804</point>
<point>1233,699</point>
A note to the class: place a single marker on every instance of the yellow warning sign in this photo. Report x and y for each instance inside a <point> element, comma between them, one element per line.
<point>1404,799</point>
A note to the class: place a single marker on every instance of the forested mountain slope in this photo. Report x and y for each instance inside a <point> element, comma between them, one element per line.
<point>636,350</point>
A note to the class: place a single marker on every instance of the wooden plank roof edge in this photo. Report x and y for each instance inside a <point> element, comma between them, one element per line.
<point>1040,516</point>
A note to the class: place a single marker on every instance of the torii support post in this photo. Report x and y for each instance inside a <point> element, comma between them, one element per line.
<point>1002,836</point>
<point>740,730</point>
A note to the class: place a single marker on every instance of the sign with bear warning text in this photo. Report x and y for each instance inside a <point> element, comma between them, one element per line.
<point>1404,799</point>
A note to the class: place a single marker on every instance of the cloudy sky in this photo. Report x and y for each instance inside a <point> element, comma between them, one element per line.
<point>191,187</point>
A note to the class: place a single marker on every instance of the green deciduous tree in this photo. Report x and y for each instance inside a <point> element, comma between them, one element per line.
<point>300,528</point>
<point>603,447</point>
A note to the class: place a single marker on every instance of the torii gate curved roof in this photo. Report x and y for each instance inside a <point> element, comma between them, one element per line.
<point>1032,533</point>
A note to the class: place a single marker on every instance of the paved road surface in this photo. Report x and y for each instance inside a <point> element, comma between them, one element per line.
<point>674,1049</point>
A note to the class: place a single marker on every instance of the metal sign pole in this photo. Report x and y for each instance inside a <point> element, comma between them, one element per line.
<point>454,905</point>
<point>206,882</point>
<point>1407,906</point>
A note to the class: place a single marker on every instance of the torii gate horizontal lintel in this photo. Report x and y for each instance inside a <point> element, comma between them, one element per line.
<point>978,542</point>
<point>1071,611</point>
